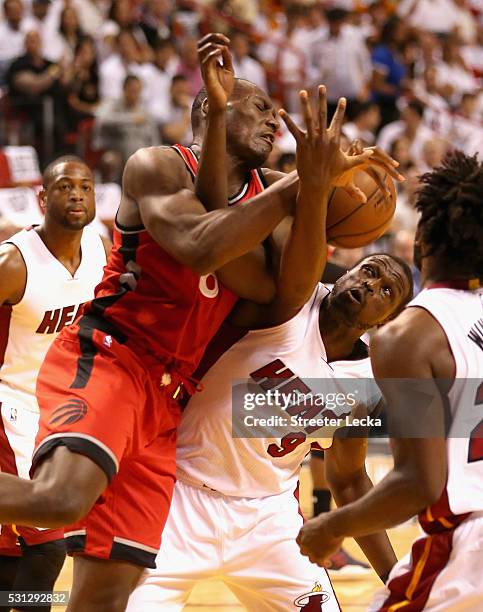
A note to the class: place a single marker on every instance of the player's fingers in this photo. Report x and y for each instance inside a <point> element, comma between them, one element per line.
<point>355,148</point>
<point>380,153</point>
<point>322,110</point>
<point>336,123</point>
<point>359,160</point>
<point>213,37</point>
<point>291,125</point>
<point>389,168</point>
<point>379,182</point>
<point>227,60</point>
<point>307,113</point>
<point>209,59</point>
<point>355,193</point>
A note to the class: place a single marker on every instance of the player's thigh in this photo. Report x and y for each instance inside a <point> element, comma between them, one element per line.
<point>270,573</point>
<point>190,552</point>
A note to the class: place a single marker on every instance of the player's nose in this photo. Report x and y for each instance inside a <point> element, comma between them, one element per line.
<point>273,123</point>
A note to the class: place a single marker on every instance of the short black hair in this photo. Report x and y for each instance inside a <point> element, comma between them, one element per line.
<point>407,273</point>
<point>417,106</point>
<point>48,173</point>
<point>450,204</point>
<point>129,78</point>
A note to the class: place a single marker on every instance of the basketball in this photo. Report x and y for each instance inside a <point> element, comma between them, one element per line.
<point>351,224</point>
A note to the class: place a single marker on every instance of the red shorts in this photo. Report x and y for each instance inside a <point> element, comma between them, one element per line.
<point>100,399</point>
<point>18,427</point>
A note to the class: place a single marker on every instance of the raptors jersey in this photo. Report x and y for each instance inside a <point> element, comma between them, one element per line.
<point>163,308</point>
<point>293,354</point>
<point>51,301</point>
<point>460,314</point>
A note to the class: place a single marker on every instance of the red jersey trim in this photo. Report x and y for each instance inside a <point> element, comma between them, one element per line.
<point>189,158</point>
<point>5,316</point>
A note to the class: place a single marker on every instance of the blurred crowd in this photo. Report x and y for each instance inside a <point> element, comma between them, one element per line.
<point>116,75</point>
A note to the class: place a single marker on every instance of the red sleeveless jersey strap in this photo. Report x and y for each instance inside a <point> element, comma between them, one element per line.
<point>189,158</point>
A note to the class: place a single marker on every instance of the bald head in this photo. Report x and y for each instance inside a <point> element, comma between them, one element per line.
<point>242,88</point>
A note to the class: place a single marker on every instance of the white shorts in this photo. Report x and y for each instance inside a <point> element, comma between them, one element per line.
<point>19,424</point>
<point>249,543</point>
<point>444,573</point>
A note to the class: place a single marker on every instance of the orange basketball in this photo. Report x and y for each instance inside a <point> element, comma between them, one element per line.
<point>351,224</point>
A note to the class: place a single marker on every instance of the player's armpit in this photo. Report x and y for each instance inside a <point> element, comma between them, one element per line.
<point>13,275</point>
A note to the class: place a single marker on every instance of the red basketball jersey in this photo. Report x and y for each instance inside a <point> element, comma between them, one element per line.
<point>164,308</point>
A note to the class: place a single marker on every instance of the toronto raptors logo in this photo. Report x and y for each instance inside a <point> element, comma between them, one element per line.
<point>208,285</point>
<point>71,412</point>
<point>312,602</point>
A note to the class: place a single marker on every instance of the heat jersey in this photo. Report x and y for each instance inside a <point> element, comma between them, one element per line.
<point>293,357</point>
<point>460,314</point>
<point>163,307</point>
<point>51,301</point>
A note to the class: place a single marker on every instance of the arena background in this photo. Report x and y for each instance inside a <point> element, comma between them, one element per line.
<point>411,71</point>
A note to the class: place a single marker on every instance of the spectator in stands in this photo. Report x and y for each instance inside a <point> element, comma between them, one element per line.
<point>453,73</point>
<point>400,150</point>
<point>124,125</point>
<point>122,17</point>
<point>44,18</point>
<point>156,21</point>
<point>366,119</point>
<point>433,153</point>
<point>158,78</point>
<point>285,55</point>
<point>389,69</point>
<point>33,82</point>
<point>12,34</point>
<point>126,60</point>
<point>245,66</point>
<point>91,14</point>
<point>69,33</point>
<point>188,65</point>
<point>83,85</point>
<point>437,16</point>
<point>467,128</point>
<point>342,62</point>
<point>437,111</point>
<point>176,124</point>
<point>412,127</point>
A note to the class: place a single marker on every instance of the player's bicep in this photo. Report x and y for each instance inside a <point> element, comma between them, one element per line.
<point>13,275</point>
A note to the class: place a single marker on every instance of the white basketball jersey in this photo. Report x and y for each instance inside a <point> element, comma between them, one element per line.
<point>460,314</point>
<point>207,453</point>
<point>51,300</point>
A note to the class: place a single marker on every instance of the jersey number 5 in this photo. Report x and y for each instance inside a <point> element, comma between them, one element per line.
<point>475,449</point>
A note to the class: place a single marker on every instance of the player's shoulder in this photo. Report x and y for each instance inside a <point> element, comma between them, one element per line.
<point>414,336</point>
<point>13,272</point>
<point>155,168</point>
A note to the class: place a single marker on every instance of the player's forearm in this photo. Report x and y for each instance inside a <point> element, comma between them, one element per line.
<point>235,231</point>
<point>376,547</point>
<point>396,499</point>
<point>305,253</point>
<point>211,178</point>
<point>20,503</point>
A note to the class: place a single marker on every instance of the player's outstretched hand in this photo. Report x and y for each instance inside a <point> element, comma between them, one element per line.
<point>217,69</point>
<point>319,155</point>
<point>317,542</point>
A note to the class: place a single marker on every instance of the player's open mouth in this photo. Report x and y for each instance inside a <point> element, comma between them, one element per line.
<point>355,295</point>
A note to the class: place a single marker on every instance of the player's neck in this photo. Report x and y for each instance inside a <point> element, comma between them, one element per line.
<point>434,273</point>
<point>338,336</point>
<point>62,243</point>
<point>237,169</point>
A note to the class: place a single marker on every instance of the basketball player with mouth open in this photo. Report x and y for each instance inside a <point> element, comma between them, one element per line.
<point>235,512</point>
<point>110,386</point>
<point>435,413</point>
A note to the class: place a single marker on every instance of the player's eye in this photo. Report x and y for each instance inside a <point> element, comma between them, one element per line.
<point>387,291</point>
<point>64,186</point>
<point>87,188</point>
<point>369,270</point>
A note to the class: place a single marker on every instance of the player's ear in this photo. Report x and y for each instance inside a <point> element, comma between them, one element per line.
<point>204,107</point>
<point>43,199</point>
